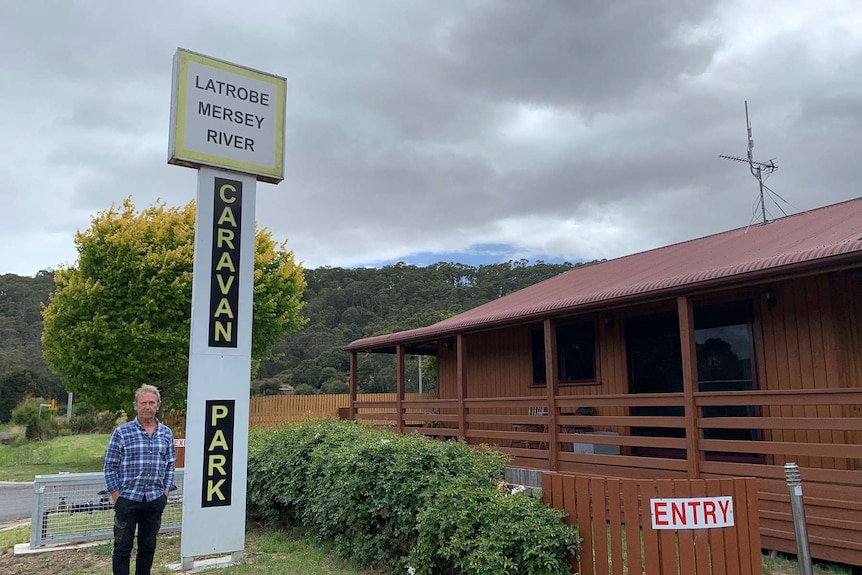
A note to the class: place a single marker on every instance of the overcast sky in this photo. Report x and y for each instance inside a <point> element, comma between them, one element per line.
<point>454,130</point>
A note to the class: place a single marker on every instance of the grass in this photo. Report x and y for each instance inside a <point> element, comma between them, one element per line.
<point>266,553</point>
<point>781,564</point>
<point>72,453</point>
<point>772,564</point>
<point>11,537</point>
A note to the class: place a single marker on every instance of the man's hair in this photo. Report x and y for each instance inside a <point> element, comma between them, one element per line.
<point>147,388</point>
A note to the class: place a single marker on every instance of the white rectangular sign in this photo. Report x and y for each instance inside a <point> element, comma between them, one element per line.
<point>227,116</point>
<point>692,512</point>
<point>216,458</point>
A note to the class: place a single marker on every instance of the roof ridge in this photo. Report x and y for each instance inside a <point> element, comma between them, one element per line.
<point>727,232</point>
<point>806,240</point>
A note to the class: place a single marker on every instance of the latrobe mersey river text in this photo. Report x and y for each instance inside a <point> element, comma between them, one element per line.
<point>231,115</point>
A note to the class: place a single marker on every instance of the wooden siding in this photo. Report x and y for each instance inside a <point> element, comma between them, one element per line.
<point>809,341</point>
<point>808,365</point>
<point>847,288</point>
<point>500,364</point>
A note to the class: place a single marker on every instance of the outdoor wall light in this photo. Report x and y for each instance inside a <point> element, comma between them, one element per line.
<point>770,298</point>
<point>609,321</point>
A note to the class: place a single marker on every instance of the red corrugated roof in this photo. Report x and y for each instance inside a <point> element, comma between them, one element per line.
<point>815,238</point>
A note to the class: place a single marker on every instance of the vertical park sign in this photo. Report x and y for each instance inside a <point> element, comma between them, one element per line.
<point>227,121</point>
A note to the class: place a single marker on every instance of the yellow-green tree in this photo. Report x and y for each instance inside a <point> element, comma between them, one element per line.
<point>120,315</point>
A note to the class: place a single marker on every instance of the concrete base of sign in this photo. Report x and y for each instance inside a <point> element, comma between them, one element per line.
<point>189,565</point>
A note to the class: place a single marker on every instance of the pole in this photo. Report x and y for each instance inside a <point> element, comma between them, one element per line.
<point>69,407</point>
<point>420,375</point>
<point>762,204</point>
<point>800,528</point>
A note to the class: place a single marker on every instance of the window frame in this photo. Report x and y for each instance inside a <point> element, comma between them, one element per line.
<point>537,349</point>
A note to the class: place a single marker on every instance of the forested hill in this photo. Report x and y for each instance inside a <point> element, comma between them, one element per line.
<point>342,305</point>
<point>348,304</point>
<point>22,370</point>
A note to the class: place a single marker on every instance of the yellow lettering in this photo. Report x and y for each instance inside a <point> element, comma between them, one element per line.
<point>223,194</point>
<point>224,286</point>
<point>216,463</point>
<point>225,237</point>
<point>223,309</point>
<point>222,332</point>
<point>227,216</point>
<point>214,489</point>
<point>219,440</point>
<point>218,412</point>
<point>226,262</point>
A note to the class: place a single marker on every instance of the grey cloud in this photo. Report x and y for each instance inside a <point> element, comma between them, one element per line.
<point>587,54</point>
<point>399,116</point>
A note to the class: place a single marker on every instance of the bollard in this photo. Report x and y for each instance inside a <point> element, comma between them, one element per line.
<point>794,486</point>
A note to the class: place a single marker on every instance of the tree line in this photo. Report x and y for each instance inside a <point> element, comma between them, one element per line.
<point>340,306</point>
<point>343,305</point>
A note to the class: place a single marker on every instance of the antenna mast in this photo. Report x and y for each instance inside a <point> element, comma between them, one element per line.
<point>756,168</point>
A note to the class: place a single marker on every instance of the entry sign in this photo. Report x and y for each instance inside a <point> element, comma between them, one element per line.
<point>227,116</point>
<point>692,512</point>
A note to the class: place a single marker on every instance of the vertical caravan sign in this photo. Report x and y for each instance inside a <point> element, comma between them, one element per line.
<point>224,285</point>
<point>228,122</point>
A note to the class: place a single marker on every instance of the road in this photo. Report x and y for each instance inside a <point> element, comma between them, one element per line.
<point>16,501</point>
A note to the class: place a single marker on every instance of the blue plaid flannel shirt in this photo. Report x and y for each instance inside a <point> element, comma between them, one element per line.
<point>139,465</point>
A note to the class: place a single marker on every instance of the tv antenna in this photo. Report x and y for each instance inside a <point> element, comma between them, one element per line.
<point>757,168</point>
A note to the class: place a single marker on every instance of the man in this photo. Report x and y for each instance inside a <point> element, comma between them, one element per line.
<point>139,474</point>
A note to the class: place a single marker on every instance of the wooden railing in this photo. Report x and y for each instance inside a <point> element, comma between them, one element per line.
<point>815,428</point>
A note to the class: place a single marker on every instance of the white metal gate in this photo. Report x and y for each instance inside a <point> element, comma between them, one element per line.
<point>68,509</point>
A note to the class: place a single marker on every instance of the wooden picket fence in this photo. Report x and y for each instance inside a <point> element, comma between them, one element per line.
<point>613,518</point>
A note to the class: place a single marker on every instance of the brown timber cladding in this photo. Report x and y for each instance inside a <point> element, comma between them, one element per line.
<point>809,373</point>
<point>613,518</point>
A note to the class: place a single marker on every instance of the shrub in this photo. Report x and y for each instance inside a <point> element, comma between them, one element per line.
<point>374,495</point>
<point>37,428</point>
<point>278,463</point>
<point>91,421</point>
<point>490,532</point>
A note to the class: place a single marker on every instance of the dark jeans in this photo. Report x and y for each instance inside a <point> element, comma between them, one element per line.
<point>147,517</point>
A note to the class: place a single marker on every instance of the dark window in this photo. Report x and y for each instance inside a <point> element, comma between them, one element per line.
<point>576,353</point>
<point>725,347</point>
<point>725,362</point>
<point>655,366</point>
<point>725,352</point>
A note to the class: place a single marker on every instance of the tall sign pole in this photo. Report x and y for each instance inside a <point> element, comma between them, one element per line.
<point>227,121</point>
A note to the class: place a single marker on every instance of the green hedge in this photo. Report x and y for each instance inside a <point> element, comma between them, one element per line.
<point>403,502</point>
